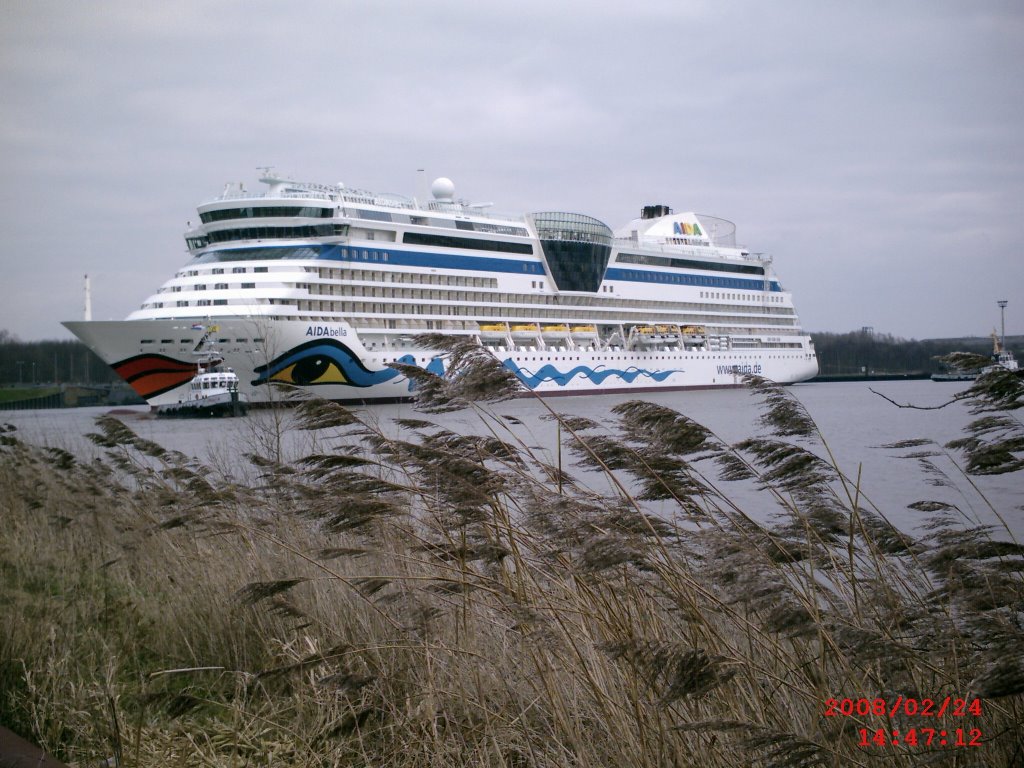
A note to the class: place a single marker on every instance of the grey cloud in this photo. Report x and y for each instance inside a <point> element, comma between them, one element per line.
<point>874,148</point>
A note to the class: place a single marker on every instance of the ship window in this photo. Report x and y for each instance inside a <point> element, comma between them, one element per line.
<point>166,341</point>
<point>448,241</point>
<point>146,341</point>
<point>182,303</point>
<point>220,302</point>
<point>362,213</point>
<point>186,341</point>
<point>218,271</point>
<point>220,287</point>
<point>238,270</point>
<point>248,285</point>
<point>259,269</point>
<point>276,211</point>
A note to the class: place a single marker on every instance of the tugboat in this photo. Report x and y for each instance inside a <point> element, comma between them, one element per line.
<point>1001,357</point>
<point>213,391</point>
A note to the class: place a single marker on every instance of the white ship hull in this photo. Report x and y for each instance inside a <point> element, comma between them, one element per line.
<point>330,360</point>
<point>324,286</point>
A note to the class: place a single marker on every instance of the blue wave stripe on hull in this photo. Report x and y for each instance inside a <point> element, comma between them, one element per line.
<point>548,372</point>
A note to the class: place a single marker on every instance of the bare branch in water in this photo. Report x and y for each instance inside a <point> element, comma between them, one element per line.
<point>916,407</point>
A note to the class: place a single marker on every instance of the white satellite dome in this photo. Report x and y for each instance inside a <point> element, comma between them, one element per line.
<point>443,189</point>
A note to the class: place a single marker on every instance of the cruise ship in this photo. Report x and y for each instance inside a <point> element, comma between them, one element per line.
<point>322,286</point>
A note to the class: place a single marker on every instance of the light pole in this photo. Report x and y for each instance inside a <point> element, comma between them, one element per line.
<point>21,368</point>
<point>1002,316</point>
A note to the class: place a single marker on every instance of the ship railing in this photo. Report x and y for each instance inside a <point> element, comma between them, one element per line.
<point>465,208</point>
<point>360,197</point>
<point>722,232</point>
<point>667,246</point>
<point>263,195</point>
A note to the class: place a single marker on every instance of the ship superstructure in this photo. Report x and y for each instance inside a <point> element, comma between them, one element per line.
<point>322,286</point>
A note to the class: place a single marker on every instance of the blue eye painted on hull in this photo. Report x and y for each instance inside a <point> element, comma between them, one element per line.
<point>322,362</point>
<point>327,361</point>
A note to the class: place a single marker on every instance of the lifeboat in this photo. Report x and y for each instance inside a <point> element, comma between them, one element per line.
<point>524,330</point>
<point>491,330</point>
<point>694,335</point>
<point>557,331</point>
<point>646,334</point>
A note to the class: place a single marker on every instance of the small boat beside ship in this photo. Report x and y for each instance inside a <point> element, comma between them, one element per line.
<point>1002,359</point>
<point>213,392</point>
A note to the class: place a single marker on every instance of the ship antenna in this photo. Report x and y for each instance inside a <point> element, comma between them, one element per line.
<point>1002,312</point>
<point>421,186</point>
<point>88,300</point>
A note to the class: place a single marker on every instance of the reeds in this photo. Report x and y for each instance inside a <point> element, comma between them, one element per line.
<point>411,596</point>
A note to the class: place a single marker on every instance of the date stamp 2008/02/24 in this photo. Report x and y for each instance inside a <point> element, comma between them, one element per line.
<point>901,707</point>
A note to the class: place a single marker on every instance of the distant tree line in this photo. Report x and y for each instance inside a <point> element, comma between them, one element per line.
<point>50,362</point>
<point>865,351</point>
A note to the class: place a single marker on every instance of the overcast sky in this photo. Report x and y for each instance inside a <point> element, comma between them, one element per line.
<point>875,149</point>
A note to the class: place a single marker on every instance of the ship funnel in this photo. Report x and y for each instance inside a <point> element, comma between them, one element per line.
<point>655,211</point>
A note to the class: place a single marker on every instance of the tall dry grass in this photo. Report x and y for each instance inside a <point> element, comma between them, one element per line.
<point>418,597</point>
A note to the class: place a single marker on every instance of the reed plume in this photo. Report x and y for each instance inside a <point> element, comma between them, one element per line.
<point>408,594</point>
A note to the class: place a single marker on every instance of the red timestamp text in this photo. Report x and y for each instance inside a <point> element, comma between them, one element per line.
<point>910,707</point>
<point>920,737</point>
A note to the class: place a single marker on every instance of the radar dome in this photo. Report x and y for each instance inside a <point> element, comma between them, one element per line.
<point>443,189</point>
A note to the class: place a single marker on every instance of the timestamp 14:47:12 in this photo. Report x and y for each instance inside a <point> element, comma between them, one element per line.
<point>920,737</point>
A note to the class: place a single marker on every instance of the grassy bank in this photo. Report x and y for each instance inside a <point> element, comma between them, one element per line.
<point>14,394</point>
<point>436,599</point>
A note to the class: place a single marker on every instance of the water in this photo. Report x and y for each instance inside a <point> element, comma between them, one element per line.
<point>855,422</point>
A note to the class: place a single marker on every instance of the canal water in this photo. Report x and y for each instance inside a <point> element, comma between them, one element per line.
<point>856,423</point>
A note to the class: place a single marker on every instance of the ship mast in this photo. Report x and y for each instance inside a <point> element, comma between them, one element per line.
<point>88,300</point>
<point>1002,315</point>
